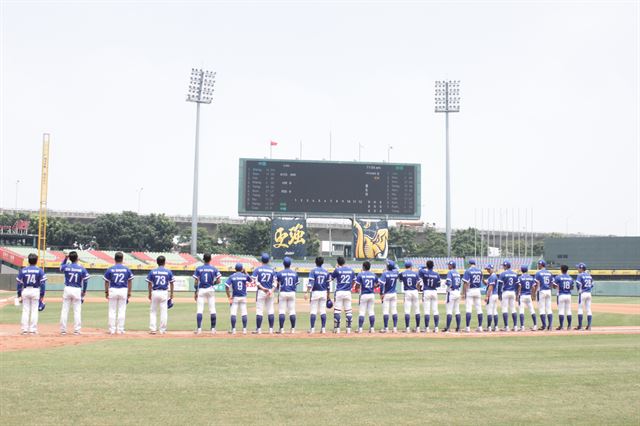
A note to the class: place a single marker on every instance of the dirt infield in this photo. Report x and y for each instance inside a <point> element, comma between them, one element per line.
<point>49,336</point>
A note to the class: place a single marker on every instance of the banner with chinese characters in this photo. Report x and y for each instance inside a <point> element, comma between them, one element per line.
<point>288,238</point>
<point>370,239</point>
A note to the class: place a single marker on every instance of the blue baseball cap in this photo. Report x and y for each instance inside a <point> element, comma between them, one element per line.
<point>391,265</point>
<point>506,264</point>
<point>407,264</point>
<point>472,261</point>
<point>489,266</point>
<point>542,262</point>
<point>286,262</point>
<point>238,267</point>
<point>265,258</point>
<point>524,268</point>
<point>581,266</point>
<point>452,263</point>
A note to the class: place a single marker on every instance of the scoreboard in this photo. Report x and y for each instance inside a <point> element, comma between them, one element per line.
<point>329,188</point>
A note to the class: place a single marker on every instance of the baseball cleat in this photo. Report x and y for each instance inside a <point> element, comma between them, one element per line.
<point>479,329</point>
<point>152,332</point>
<point>372,331</point>
<point>213,331</point>
<point>161,332</point>
<point>467,330</point>
<point>548,328</point>
<point>384,330</point>
<point>446,330</point>
<point>293,331</point>
<point>577,328</point>
<point>77,332</point>
<point>426,330</point>
<point>558,328</point>
<point>271,331</point>
<point>323,330</point>
<point>395,330</point>
<point>232,331</point>
<point>244,331</point>
<point>588,328</point>
<point>534,328</point>
<point>349,330</point>
<point>408,330</point>
<point>417,330</point>
<point>359,330</point>
<point>336,331</point>
<point>197,331</point>
<point>505,329</point>
<point>25,332</point>
<point>435,330</point>
<point>311,331</point>
<point>458,330</point>
<point>281,331</point>
<point>63,332</point>
<point>255,332</point>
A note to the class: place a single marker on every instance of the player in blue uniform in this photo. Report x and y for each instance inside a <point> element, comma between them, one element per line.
<point>526,287</point>
<point>263,277</point>
<point>493,296</point>
<point>564,284</point>
<point>544,279</point>
<point>389,296</point>
<point>117,289</point>
<point>508,280</point>
<point>160,284</point>
<point>429,283</point>
<point>366,281</point>
<point>472,280</point>
<point>584,281</point>
<point>31,286</point>
<point>205,279</point>
<point>453,295</point>
<point>344,278</point>
<point>287,280</point>
<point>318,286</point>
<point>75,287</point>
<point>409,279</point>
<point>236,288</point>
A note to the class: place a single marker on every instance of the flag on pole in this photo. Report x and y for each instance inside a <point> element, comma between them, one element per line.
<point>272,143</point>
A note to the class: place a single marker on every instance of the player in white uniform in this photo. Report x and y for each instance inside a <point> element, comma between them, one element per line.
<point>564,284</point>
<point>493,296</point>
<point>344,278</point>
<point>263,277</point>
<point>472,280</point>
<point>318,286</point>
<point>508,280</point>
<point>365,284</point>
<point>584,282</point>
<point>236,288</point>
<point>453,296</point>
<point>526,287</point>
<point>75,287</point>
<point>544,280</point>
<point>160,284</point>
<point>287,282</point>
<point>31,283</point>
<point>389,296</point>
<point>205,279</point>
<point>410,280</point>
<point>430,281</point>
<point>117,289</point>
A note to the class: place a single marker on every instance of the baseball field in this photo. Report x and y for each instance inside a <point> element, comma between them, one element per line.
<point>538,377</point>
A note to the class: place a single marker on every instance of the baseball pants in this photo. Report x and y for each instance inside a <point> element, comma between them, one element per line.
<point>318,303</point>
<point>430,305</point>
<point>264,301</point>
<point>526,302</point>
<point>508,302</point>
<point>367,304</point>
<point>159,299</point>
<point>71,296</point>
<point>287,303</point>
<point>492,307</point>
<point>584,303</point>
<point>117,309</point>
<point>30,302</point>
<point>474,301</point>
<point>206,295</point>
<point>453,302</point>
<point>411,302</point>
<point>343,301</point>
<point>390,304</point>
<point>564,304</point>
<point>240,302</point>
<point>544,302</point>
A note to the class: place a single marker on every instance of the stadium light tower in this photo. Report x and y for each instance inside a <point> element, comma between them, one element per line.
<point>448,100</point>
<point>200,92</point>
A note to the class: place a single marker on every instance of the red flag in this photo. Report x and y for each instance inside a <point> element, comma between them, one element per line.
<point>274,143</point>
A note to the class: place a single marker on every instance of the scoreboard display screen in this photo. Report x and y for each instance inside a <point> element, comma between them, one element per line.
<point>329,188</point>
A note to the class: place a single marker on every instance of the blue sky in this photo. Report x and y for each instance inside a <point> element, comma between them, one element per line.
<point>549,115</point>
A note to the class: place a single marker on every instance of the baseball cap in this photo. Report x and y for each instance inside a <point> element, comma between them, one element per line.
<point>489,266</point>
<point>238,266</point>
<point>542,262</point>
<point>407,264</point>
<point>452,263</point>
<point>264,258</point>
<point>524,268</point>
<point>472,261</point>
<point>391,264</point>
<point>506,264</point>
<point>286,262</point>
<point>581,266</point>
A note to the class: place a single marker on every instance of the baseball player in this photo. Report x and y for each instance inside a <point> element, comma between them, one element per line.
<point>318,286</point>
<point>472,280</point>
<point>205,278</point>
<point>263,277</point>
<point>453,296</point>
<point>584,281</point>
<point>344,278</point>
<point>287,281</point>
<point>160,284</point>
<point>508,280</point>
<point>526,286</point>
<point>389,296</point>
<point>410,279</point>
<point>365,283</point>
<point>117,289</point>
<point>75,287</point>
<point>493,295</point>
<point>31,285</point>
<point>430,281</point>
<point>236,288</point>
<point>544,280</point>
<point>564,284</point>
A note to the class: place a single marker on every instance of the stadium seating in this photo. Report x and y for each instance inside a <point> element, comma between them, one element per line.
<point>516,261</point>
<point>439,262</point>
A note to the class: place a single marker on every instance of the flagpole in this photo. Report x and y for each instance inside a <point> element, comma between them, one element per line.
<point>270,150</point>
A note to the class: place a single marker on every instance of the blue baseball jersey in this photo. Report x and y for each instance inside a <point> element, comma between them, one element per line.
<point>118,276</point>
<point>367,281</point>
<point>509,280</point>
<point>544,279</point>
<point>409,279</point>
<point>473,276</point>
<point>31,276</point>
<point>319,279</point>
<point>264,275</point>
<point>238,284</point>
<point>584,282</point>
<point>160,278</point>
<point>344,277</point>
<point>492,281</point>
<point>206,275</point>
<point>564,283</point>
<point>526,282</point>
<point>74,275</point>
<point>430,279</point>
<point>453,280</point>
<point>288,280</point>
<point>388,281</point>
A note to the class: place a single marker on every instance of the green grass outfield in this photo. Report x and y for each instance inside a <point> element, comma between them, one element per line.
<point>581,379</point>
<point>182,315</point>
